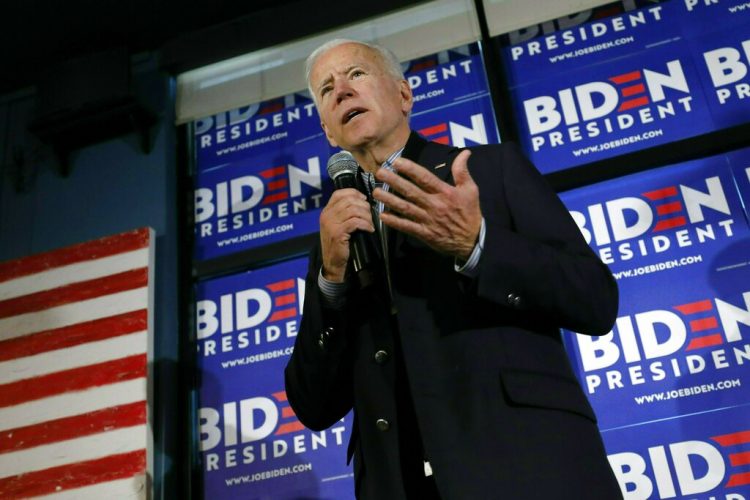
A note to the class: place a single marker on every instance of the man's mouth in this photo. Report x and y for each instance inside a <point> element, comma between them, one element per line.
<point>351,114</point>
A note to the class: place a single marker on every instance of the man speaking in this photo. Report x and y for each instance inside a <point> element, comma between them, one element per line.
<point>451,357</point>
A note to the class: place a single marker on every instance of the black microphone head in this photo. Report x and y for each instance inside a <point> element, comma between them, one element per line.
<point>342,163</point>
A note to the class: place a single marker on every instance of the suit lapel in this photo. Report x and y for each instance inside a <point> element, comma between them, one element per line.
<point>431,155</point>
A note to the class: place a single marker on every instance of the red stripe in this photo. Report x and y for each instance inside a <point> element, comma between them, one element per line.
<point>442,140</point>
<point>76,292</point>
<point>281,285</point>
<point>61,429</point>
<point>659,194</point>
<point>284,300</point>
<point>741,437</point>
<point>695,307</point>
<point>275,197</point>
<point>436,129</point>
<point>287,412</point>
<point>707,341</point>
<point>271,107</point>
<point>422,65</point>
<point>76,379</point>
<point>283,314</point>
<point>669,208</point>
<point>279,396</point>
<point>738,479</point>
<point>698,325</point>
<point>632,90</point>
<point>670,223</point>
<point>742,458</point>
<point>606,12</point>
<point>272,172</point>
<point>290,427</point>
<point>626,77</point>
<point>77,475</point>
<point>68,336</point>
<point>633,103</point>
<point>104,247</point>
<point>274,185</point>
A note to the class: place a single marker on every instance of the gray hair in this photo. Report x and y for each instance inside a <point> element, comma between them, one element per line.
<point>392,64</point>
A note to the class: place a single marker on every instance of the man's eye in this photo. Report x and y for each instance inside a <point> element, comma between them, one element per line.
<point>325,91</point>
<point>357,72</point>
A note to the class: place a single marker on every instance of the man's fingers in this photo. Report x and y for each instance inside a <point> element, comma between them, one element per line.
<point>400,205</point>
<point>355,223</point>
<point>347,211</point>
<point>401,224</point>
<point>420,176</point>
<point>346,193</point>
<point>342,199</point>
<point>347,203</point>
<point>460,169</point>
<point>406,188</point>
<point>343,211</point>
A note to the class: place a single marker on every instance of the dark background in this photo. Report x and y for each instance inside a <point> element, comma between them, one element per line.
<point>37,35</point>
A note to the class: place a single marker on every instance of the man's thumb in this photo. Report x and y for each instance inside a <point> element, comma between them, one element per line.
<point>460,168</point>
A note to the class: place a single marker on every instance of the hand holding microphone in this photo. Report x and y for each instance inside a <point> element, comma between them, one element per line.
<point>344,224</point>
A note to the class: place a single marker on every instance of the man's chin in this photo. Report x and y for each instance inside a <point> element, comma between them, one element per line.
<point>357,142</point>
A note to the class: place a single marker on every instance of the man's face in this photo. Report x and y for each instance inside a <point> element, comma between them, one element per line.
<point>359,102</point>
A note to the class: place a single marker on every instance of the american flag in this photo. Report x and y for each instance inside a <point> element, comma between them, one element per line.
<point>74,342</point>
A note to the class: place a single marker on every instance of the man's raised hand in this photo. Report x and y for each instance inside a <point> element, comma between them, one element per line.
<point>447,218</point>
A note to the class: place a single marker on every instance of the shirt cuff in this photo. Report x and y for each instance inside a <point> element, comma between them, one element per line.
<point>470,268</point>
<point>334,294</point>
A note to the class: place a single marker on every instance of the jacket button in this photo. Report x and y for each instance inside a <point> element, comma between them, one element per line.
<point>513,300</point>
<point>381,357</point>
<point>325,337</point>
<point>382,424</point>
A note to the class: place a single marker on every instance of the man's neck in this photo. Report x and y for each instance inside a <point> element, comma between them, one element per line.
<point>372,156</point>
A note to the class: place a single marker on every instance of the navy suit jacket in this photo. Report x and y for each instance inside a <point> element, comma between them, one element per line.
<point>499,410</point>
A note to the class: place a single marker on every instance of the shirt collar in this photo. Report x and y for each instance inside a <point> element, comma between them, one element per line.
<point>388,163</point>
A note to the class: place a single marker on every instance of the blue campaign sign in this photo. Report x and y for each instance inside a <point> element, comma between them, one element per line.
<point>589,43</point>
<point>592,37</point>
<point>701,457</point>
<point>261,199</point>
<point>723,59</point>
<point>452,104</point>
<point>700,16</point>
<point>612,108</point>
<point>677,242</point>
<point>251,443</point>
<point>267,127</point>
<point>740,163</point>
<point>465,123</point>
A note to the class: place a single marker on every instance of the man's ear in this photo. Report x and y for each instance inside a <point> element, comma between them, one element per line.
<point>407,97</point>
<point>329,136</point>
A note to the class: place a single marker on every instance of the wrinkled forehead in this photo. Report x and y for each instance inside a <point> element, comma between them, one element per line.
<point>343,57</point>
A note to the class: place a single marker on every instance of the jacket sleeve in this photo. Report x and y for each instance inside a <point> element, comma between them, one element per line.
<point>318,374</point>
<point>535,258</point>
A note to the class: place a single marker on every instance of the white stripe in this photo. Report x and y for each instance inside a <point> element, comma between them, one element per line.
<point>73,357</point>
<point>73,450</point>
<point>74,273</point>
<point>70,314</point>
<point>132,487</point>
<point>72,403</point>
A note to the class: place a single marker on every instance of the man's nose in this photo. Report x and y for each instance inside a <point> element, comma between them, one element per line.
<point>343,91</point>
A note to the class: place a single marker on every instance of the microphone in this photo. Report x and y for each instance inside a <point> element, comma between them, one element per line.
<point>343,169</point>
